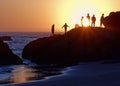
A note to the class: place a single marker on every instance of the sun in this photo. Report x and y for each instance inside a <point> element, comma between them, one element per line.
<point>86,22</point>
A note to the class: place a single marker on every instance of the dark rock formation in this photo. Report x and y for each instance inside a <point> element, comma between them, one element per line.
<point>5,38</point>
<point>112,21</point>
<point>77,45</point>
<point>6,55</point>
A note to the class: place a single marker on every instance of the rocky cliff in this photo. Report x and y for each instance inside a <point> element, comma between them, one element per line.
<point>6,55</point>
<point>77,45</point>
<point>112,21</point>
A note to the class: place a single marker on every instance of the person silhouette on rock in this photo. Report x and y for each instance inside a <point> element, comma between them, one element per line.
<point>93,21</point>
<point>65,27</point>
<point>88,18</point>
<point>53,29</point>
<point>101,20</point>
<point>82,18</point>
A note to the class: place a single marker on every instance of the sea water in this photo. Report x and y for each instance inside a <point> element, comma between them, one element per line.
<point>28,70</point>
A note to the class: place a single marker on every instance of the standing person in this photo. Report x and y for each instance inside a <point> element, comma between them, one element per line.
<point>93,21</point>
<point>88,18</point>
<point>82,18</point>
<point>101,20</point>
<point>65,27</point>
<point>53,29</point>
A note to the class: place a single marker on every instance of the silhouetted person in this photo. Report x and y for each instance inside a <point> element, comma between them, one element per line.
<point>93,21</point>
<point>88,18</point>
<point>65,27</point>
<point>101,20</point>
<point>82,18</point>
<point>53,29</point>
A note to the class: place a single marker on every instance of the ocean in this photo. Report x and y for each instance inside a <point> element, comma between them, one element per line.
<point>27,71</point>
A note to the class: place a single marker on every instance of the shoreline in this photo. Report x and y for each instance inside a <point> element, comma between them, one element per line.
<point>25,73</point>
<point>46,78</point>
<point>85,74</point>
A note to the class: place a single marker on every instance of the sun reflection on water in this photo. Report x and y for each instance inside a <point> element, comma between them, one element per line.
<point>24,74</point>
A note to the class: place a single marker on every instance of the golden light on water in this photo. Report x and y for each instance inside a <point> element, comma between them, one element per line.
<point>23,74</point>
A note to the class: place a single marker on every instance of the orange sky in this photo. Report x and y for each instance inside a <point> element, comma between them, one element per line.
<point>39,15</point>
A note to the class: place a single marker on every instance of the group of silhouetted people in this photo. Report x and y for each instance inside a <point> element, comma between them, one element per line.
<point>93,21</point>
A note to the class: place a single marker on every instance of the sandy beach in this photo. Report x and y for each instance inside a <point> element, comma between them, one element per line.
<point>84,74</point>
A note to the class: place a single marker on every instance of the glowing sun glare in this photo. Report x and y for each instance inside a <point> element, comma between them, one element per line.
<point>85,22</point>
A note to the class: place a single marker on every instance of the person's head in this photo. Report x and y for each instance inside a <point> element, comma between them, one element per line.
<point>87,14</point>
<point>102,14</point>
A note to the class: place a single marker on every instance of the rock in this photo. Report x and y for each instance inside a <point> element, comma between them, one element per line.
<point>6,55</point>
<point>77,45</point>
<point>5,38</point>
<point>112,21</point>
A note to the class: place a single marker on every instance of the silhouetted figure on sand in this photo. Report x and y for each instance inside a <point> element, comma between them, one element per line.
<point>53,29</point>
<point>93,21</point>
<point>82,18</point>
<point>88,18</point>
<point>65,27</point>
<point>101,20</point>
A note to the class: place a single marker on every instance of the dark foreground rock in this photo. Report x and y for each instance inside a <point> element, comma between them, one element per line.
<point>112,21</point>
<point>6,55</point>
<point>77,45</point>
<point>5,38</point>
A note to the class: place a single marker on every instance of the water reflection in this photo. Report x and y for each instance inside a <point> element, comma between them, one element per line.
<point>25,73</point>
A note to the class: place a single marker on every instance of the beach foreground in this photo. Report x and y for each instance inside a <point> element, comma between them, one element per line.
<point>84,74</point>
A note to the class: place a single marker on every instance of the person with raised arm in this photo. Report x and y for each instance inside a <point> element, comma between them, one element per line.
<point>65,27</point>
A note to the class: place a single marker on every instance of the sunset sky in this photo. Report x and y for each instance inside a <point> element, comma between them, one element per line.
<point>39,15</point>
